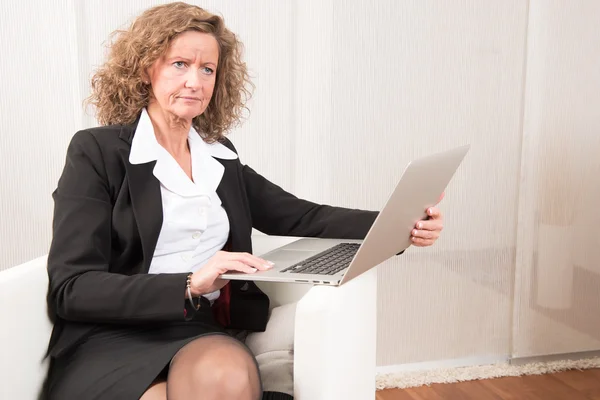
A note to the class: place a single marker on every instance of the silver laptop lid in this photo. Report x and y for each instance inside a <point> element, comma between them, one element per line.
<point>419,188</point>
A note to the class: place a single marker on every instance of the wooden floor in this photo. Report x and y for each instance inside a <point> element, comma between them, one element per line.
<point>569,385</point>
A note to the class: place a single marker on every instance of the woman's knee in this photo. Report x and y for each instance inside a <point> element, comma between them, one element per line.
<point>218,365</point>
<point>156,391</point>
<point>232,375</point>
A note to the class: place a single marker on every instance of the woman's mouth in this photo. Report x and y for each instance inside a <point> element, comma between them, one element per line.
<point>190,98</point>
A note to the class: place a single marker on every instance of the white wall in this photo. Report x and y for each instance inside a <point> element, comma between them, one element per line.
<point>39,114</point>
<point>557,309</point>
<point>347,93</point>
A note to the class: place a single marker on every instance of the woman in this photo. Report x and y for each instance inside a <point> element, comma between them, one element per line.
<point>153,207</point>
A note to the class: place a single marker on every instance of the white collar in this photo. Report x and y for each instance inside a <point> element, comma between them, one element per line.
<point>145,147</point>
<point>206,171</point>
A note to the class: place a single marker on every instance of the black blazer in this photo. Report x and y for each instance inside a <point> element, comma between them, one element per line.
<point>107,218</point>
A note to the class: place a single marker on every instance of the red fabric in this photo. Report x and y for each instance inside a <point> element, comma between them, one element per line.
<point>222,306</point>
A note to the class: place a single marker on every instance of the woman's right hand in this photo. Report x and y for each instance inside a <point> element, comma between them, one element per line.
<point>206,279</point>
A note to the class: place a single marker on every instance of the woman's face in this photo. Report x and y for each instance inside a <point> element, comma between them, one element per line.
<point>183,79</point>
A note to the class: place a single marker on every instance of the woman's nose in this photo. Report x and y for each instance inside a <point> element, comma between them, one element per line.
<point>192,80</point>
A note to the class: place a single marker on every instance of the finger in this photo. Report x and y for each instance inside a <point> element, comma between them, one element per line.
<point>430,225</point>
<point>258,263</point>
<point>434,213</point>
<point>253,261</point>
<point>420,242</point>
<point>441,197</point>
<point>425,234</point>
<point>238,266</point>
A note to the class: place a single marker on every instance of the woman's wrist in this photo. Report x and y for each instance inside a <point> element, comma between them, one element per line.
<point>191,296</point>
<point>190,289</point>
<point>193,288</point>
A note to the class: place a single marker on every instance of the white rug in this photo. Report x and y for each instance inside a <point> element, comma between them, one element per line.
<point>409,379</point>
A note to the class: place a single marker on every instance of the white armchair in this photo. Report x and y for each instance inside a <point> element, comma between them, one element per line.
<point>334,342</point>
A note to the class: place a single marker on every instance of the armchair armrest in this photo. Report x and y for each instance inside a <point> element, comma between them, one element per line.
<point>25,331</point>
<point>335,341</point>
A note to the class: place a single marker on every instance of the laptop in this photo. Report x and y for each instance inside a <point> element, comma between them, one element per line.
<point>336,261</point>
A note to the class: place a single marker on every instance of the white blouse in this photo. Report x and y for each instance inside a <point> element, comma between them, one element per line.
<point>195,225</point>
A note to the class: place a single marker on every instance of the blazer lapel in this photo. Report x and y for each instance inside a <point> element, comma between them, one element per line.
<point>146,202</point>
<point>146,199</point>
<point>231,199</point>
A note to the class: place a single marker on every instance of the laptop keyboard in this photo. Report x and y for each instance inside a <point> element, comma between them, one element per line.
<point>328,262</point>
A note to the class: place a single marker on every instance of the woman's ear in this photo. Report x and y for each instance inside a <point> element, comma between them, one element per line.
<point>146,77</point>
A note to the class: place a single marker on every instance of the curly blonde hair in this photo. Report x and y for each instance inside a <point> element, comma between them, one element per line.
<point>118,90</point>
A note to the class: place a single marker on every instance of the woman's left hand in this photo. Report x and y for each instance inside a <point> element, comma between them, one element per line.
<point>427,231</point>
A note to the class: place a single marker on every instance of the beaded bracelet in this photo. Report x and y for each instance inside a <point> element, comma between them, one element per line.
<point>189,293</point>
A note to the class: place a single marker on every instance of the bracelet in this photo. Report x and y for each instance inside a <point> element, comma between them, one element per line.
<point>189,293</point>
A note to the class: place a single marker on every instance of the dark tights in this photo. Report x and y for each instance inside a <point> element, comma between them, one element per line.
<point>210,367</point>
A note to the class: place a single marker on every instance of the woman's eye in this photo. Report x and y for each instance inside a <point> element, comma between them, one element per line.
<point>208,71</point>
<point>179,64</point>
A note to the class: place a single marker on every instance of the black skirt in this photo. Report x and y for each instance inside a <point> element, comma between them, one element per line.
<point>120,362</point>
